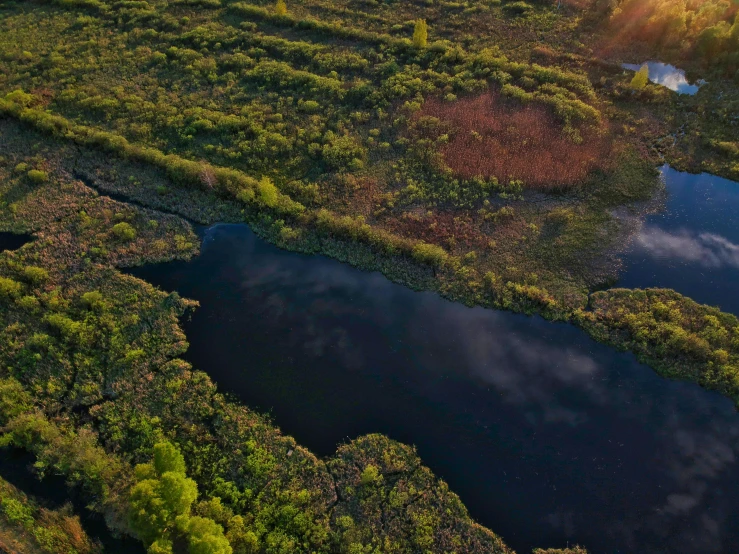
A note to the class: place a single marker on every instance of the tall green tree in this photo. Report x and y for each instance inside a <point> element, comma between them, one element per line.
<point>162,494</point>
<point>420,34</point>
<point>160,504</point>
<point>640,78</point>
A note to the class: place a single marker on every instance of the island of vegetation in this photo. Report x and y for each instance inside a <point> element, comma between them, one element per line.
<point>481,149</point>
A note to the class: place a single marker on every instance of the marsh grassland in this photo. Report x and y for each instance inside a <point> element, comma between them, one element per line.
<point>479,149</point>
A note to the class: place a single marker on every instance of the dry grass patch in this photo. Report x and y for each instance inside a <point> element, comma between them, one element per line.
<point>490,137</point>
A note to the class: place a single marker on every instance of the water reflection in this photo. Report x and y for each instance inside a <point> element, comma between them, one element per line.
<point>692,245</point>
<point>668,76</point>
<point>547,436</point>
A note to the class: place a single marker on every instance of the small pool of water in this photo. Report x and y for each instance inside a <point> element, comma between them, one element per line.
<point>668,76</point>
<point>547,436</point>
<point>12,241</point>
<point>53,493</point>
<point>692,245</point>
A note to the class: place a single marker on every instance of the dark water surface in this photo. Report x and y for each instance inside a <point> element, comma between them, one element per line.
<point>11,241</point>
<point>547,436</point>
<point>693,245</point>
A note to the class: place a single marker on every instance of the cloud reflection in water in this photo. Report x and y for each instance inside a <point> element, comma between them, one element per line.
<point>546,435</point>
<point>707,249</point>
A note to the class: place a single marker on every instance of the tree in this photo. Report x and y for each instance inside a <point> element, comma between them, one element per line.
<point>205,536</point>
<point>281,7</point>
<point>168,458</point>
<point>420,34</point>
<point>160,505</point>
<point>162,494</point>
<point>268,193</point>
<point>124,231</point>
<point>640,78</point>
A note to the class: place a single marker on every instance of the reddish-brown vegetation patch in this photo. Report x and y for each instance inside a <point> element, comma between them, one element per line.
<point>491,137</point>
<point>448,229</point>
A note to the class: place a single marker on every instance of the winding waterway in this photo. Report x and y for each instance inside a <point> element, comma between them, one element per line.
<point>547,436</point>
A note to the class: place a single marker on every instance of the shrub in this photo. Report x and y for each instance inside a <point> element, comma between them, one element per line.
<point>431,254</point>
<point>9,288</point>
<point>35,274</point>
<point>370,476</point>
<point>420,34</point>
<point>124,231</point>
<point>640,78</point>
<point>281,7</point>
<point>268,192</point>
<point>342,152</point>
<point>518,8</point>
<point>38,176</point>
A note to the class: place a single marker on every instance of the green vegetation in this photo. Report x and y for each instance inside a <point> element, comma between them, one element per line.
<point>332,127</point>
<point>707,31</point>
<point>680,338</point>
<point>27,527</point>
<point>420,34</point>
<point>641,78</point>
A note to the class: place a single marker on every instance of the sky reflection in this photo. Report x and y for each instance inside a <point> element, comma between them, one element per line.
<point>547,436</point>
<point>692,245</point>
<point>667,75</point>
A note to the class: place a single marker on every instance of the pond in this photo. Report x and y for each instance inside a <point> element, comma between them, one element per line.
<point>12,241</point>
<point>668,76</point>
<point>692,245</point>
<point>547,436</point>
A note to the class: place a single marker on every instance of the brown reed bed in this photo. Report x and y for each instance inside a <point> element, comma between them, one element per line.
<point>492,137</point>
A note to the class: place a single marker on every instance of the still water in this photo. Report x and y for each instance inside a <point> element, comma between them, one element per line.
<point>692,245</point>
<point>547,436</point>
<point>11,241</point>
<point>668,76</point>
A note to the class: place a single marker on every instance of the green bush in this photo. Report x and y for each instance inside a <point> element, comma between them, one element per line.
<point>124,231</point>
<point>518,8</point>
<point>268,192</point>
<point>431,254</point>
<point>9,288</point>
<point>35,274</point>
<point>38,176</point>
<point>641,78</point>
<point>420,34</point>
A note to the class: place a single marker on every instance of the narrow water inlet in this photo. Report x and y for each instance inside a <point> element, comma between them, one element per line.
<point>53,493</point>
<point>692,245</point>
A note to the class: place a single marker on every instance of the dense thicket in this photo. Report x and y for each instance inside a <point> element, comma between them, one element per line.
<point>707,29</point>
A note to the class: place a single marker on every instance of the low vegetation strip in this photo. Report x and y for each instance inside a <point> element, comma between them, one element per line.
<point>675,335</point>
